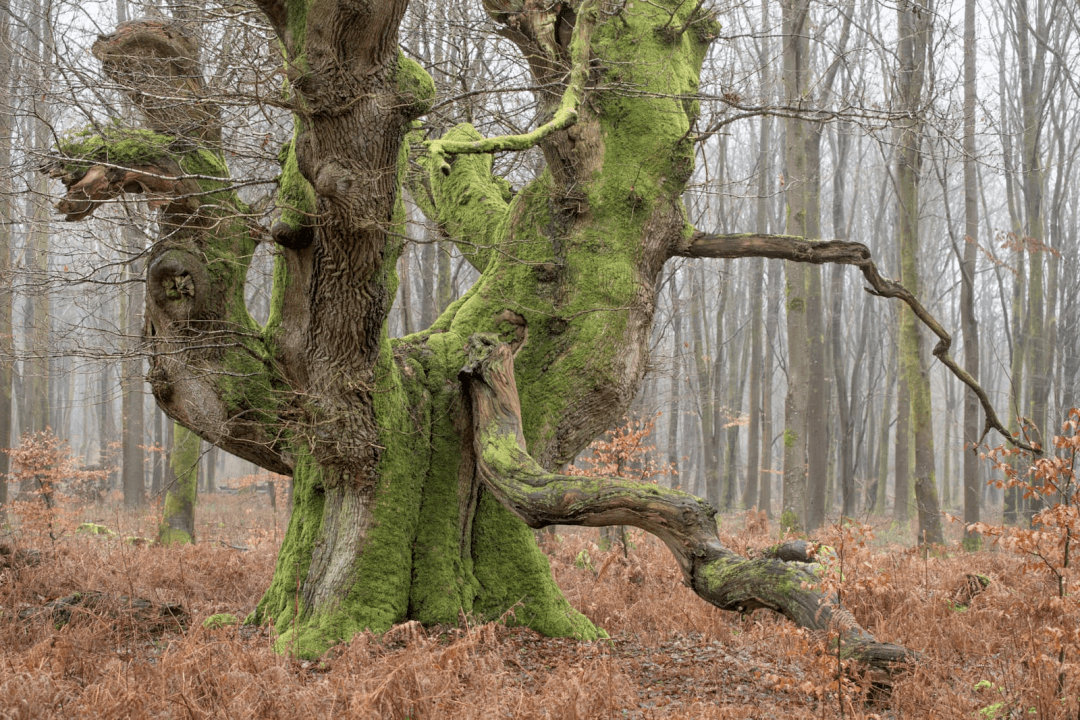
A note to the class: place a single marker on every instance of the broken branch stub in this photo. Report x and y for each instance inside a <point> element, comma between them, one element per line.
<point>683,522</point>
<point>156,64</point>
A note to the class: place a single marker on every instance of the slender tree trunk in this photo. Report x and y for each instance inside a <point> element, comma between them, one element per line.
<point>674,451</point>
<point>133,479</point>
<point>772,326</point>
<point>106,429</point>
<point>902,453</point>
<point>1032,90</point>
<point>846,440</point>
<point>1013,500</point>
<point>797,178</point>
<point>914,31</point>
<point>737,374</point>
<point>211,460</point>
<point>755,490</point>
<point>968,321</point>
<point>158,475</point>
<point>881,493</point>
<point>36,371</point>
<point>408,327</point>
<point>7,330</point>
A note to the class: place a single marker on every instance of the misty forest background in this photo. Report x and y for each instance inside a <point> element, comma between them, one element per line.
<point>71,295</point>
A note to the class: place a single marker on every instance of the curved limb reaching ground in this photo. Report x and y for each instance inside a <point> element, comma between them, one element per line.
<point>683,522</point>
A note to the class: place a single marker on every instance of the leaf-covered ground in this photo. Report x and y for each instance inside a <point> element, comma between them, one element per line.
<point>669,656</point>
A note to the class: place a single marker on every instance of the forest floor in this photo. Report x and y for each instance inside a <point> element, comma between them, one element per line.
<point>670,654</point>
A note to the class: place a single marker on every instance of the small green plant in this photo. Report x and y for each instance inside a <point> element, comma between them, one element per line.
<point>220,620</point>
<point>995,709</point>
<point>789,522</point>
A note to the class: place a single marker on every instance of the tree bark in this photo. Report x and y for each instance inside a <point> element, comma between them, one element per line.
<point>683,522</point>
<point>772,325</point>
<point>133,465</point>
<point>968,320</point>
<point>914,30</point>
<point>7,337</point>
<point>755,491</point>
<point>796,179</point>
<point>157,477</point>
<point>181,487</point>
<point>36,368</point>
<point>395,514</point>
<point>674,457</point>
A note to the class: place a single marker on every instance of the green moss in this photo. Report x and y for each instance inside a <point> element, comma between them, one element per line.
<point>278,602</point>
<point>790,438</point>
<point>415,87</point>
<point>114,144</point>
<point>380,596</point>
<point>514,575</point>
<point>246,385</point>
<point>220,620</point>
<point>168,536</point>
<point>443,584</point>
<point>772,581</point>
<point>179,510</point>
<point>296,196</point>
<point>472,203</point>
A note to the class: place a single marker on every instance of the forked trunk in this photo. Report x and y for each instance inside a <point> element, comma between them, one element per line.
<point>397,513</point>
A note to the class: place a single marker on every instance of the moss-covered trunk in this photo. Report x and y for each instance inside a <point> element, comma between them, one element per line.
<point>395,516</point>
<point>181,488</point>
<point>568,268</point>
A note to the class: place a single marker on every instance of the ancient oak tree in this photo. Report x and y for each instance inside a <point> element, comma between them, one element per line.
<point>416,460</point>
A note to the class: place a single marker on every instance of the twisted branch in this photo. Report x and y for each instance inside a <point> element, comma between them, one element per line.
<point>798,249</point>
<point>683,522</point>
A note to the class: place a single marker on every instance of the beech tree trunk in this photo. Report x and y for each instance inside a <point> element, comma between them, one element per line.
<point>133,464</point>
<point>411,481</point>
<point>968,321</point>
<point>35,372</point>
<point>914,30</point>
<point>7,337</point>
<point>181,487</point>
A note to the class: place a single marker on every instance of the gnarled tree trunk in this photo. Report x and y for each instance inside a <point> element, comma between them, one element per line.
<point>397,511</point>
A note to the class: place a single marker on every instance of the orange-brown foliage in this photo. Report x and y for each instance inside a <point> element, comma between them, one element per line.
<point>670,655</point>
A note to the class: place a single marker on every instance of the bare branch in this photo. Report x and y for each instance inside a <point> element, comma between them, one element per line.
<point>798,249</point>
<point>565,116</point>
